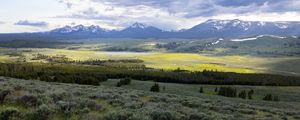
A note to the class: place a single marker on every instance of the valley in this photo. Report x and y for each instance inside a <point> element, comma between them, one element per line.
<point>150,79</point>
<point>150,60</point>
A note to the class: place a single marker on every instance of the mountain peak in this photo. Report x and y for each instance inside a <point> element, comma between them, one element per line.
<point>79,28</point>
<point>210,29</point>
<point>138,25</point>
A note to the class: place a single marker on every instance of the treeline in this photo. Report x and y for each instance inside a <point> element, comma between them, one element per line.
<point>82,74</point>
<point>66,60</point>
<point>26,43</point>
<point>232,92</point>
<point>51,73</point>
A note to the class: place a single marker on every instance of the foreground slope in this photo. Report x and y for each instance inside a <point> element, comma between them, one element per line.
<point>41,100</point>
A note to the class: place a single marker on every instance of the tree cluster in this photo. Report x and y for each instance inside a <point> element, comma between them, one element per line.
<point>125,81</point>
<point>232,92</point>
<point>270,97</point>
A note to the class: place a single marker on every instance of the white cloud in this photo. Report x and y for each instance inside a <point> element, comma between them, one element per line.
<point>165,14</point>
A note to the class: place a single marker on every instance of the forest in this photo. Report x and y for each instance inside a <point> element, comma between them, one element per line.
<point>93,75</point>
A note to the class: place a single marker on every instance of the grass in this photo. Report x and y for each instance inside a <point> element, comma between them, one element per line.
<point>169,61</point>
<point>184,61</point>
<point>287,94</point>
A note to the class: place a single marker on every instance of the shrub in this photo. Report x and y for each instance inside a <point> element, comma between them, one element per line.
<point>10,114</point>
<point>42,113</point>
<point>3,94</point>
<point>198,116</point>
<point>155,88</point>
<point>123,115</point>
<point>162,115</point>
<point>29,100</point>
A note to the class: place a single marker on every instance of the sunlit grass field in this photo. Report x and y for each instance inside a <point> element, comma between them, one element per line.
<point>172,61</point>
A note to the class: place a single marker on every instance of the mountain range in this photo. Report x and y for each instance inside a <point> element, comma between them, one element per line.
<point>209,29</point>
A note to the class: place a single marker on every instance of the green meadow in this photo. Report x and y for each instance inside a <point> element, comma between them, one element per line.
<point>172,61</point>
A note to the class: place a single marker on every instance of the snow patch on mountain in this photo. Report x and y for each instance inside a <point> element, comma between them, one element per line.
<point>214,43</point>
<point>281,26</point>
<point>255,38</point>
<point>79,28</point>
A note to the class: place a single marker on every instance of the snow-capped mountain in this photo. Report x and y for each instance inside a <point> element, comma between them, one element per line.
<point>209,29</point>
<point>79,29</point>
<point>139,30</point>
<point>138,26</point>
<point>239,28</point>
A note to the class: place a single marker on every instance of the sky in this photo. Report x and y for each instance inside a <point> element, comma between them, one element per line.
<point>42,15</point>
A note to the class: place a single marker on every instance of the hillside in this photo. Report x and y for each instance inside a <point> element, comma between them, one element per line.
<point>42,100</point>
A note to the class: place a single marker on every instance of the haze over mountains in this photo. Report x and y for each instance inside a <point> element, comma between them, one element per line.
<point>210,29</point>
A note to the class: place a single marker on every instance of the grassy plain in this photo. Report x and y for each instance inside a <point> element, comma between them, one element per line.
<point>172,61</point>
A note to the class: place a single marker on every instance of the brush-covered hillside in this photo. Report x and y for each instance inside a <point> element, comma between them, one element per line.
<point>36,100</point>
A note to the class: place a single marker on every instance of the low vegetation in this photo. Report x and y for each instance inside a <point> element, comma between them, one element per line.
<point>38,100</point>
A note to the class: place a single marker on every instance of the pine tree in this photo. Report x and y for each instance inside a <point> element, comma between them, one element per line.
<point>243,94</point>
<point>276,98</point>
<point>119,84</point>
<point>216,89</point>
<point>227,91</point>
<point>250,93</point>
<point>268,97</point>
<point>201,90</point>
<point>155,88</point>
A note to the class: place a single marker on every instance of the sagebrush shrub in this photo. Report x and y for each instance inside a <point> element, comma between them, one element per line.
<point>29,100</point>
<point>42,113</point>
<point>10,114</point>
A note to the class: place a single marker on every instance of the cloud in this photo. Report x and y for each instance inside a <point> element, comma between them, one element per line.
<point>67,3</point>
<point>212,7</point>
<point>177,14</point>
<point>198,8</point>
<point>32,23</point>
<point>1,22</point>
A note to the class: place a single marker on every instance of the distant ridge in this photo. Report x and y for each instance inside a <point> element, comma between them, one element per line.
<point>212,28</point>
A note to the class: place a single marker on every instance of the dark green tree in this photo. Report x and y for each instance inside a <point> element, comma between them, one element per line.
<point>243,94</point>
<point>268,97</point>
<point>250,94</point>
<point>216,89</point>
<point>201,90</point>
<point>276,98</point>
<point>155,88</point>
<point>227,91</point>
